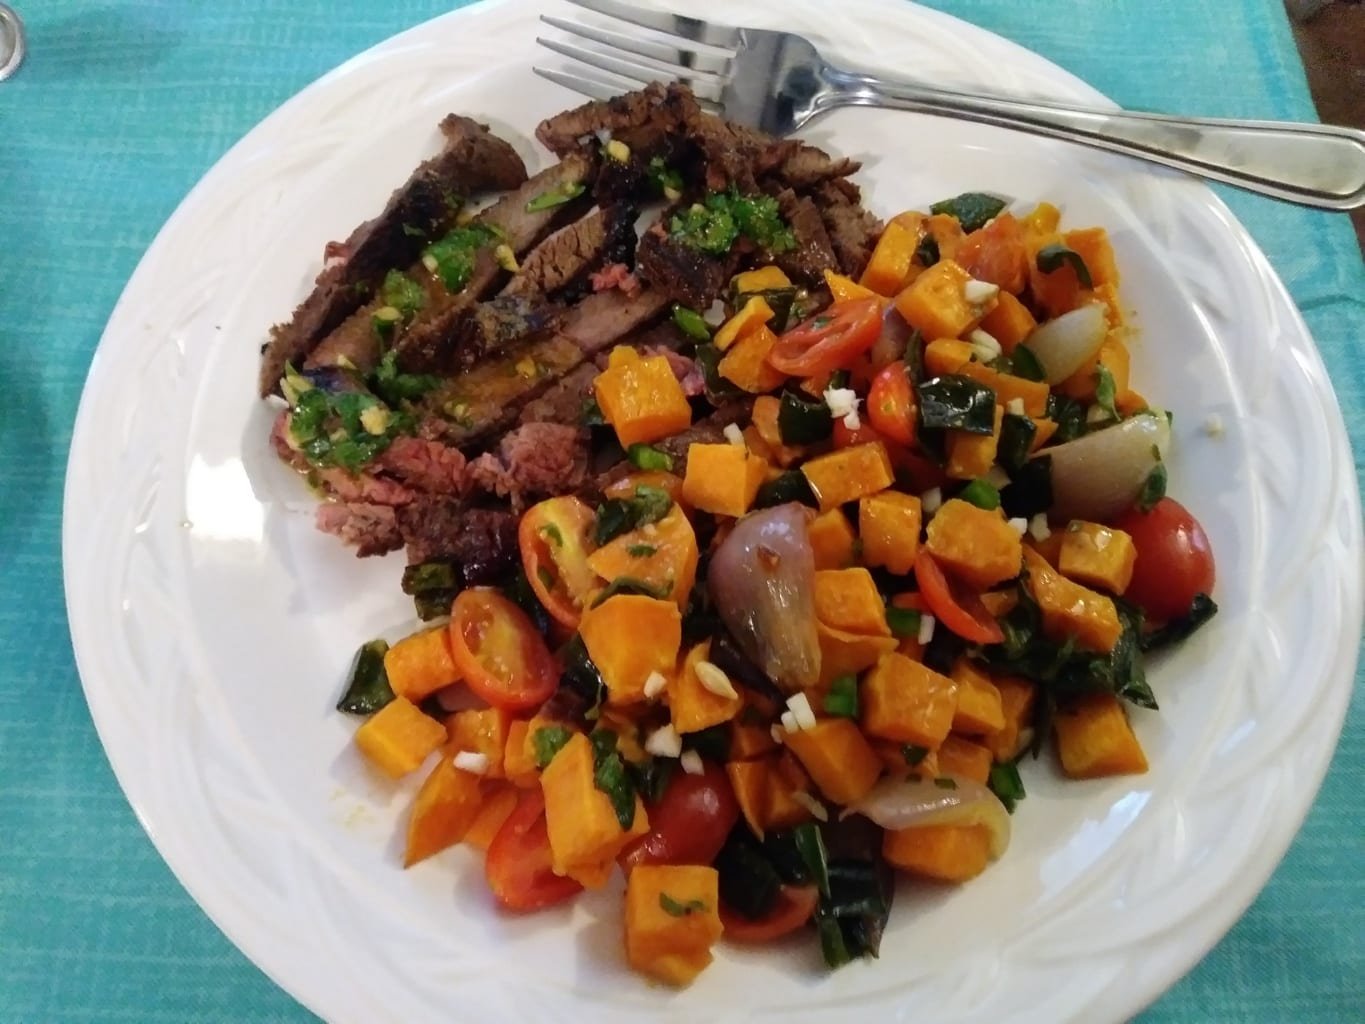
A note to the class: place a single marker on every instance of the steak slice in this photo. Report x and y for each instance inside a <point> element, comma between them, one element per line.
<point>473,160</point>
<point>564,400</point>
<point>814,253</point>
<point>566,260</point>
<point>680,272</point>
<point>804,166</point>
<point>481,541</point>
<point>852,230</point>
<point>648,121</point>
<point>534,460</point>
<point>370,529</point>
<point>473,331</point>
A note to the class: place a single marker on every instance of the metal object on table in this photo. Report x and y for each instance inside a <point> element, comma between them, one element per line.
<point>778,81</point>
<point>12,43</point>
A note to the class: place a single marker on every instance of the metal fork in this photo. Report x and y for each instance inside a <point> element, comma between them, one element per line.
<point>778,82</point>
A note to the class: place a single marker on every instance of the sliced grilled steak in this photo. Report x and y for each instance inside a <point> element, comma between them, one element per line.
<point>814,253</point>
<point>564,400</point>
<point>564,262</point>
<point>481,541</point>
<point>804,166</point>
<point>647,121</point>
<point>533,460</point>
<point>608,316</point>
<point>852,230</point>
<point>370,529</point>
<point>473,331</point>
<point>680,272</point>
<point>473,160</point>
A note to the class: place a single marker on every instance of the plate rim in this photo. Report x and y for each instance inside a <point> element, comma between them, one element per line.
<point>1229,911</point>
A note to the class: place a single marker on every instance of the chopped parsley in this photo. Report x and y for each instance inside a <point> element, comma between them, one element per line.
<point>1106,391</point>
<point>346,429</point>
<point>610,776</point>
<point>1153,488</point>
<point>680,908</point>
<point>914,753</point>
<point>395,387</point>
<point>972,209</point>
<point>547,741</point>
<point>714,225</point>
<point>557,196</point>
<point>452,258</point>
<point>666,181</point>
<point>943,782</point>
<point>1005,783</point>
<point>621,515</point>
<point>1052,257</point>
<point>642,550</point>
<point>402,293</point>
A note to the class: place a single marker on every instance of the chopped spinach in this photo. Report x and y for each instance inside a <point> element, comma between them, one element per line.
<point>711,743</point>
<point>432,585</point>
<point>718,389</point>
<point>579,675</point>
<point>549,740</point>
<point>651,777</point>
<point>610,777</point>
<point>1016,440</point>
<point>630,585</point>
<point>803,420</point>
<point>1068,414</point>
<point>367,688</point>
<point>1053,257</point>
<point>749,884</point>
<point>953,402</point>
<point>1005,783</point>
<point>914,753</point>
<point>780,300</point>
<point>1202,608</point>
<point>1153,488</point>
<point>616,516</point>
<point>680,908</point>
<point>972,209</point>
<point>926,253</point>
<point>1023,363</point>
<point>791,485</point>
<point>1106,393</point>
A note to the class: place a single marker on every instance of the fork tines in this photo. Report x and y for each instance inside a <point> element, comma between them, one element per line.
<point>697,53</point>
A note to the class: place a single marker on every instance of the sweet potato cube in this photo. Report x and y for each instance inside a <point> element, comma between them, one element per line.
<point>905,759</point>
<point>518,759</point>
<point>972,455</point>
<point>749,780</point>
<point>750,740</point>
<point>582,824</point>
<point>842,288</point>
<point>1009,323</point>
<point>691,705</point>
<point>1113,307</point>
<point>964,759</point>
<point>722,479</point>
<point>847,599</point>
<point>443,811</point>
<point>398,737</point>
<point>641,398</point>
<point>849,474</point>
<point>1050,547</point>
<point>889,265</point>
<point>1083,384</point>
<point>663,555</point>
<point>1094,739</point>
<point>1041,220</point>
<point>481,731</point>
<point>786,780</point>
<point>766,409</point>
<point>672,920</point>
<point>1070,609</point>
<point>843,653</point>
<point>1098,556</point>
<point>498,802</point>
<point>625,486</point>
<point>943,356</point>
<point>755,314</point>
<point>935,303</point>
<point>944,853</point>
<point>839,759</point>
<point>746,364</point>
<point>1092,245</point>
<point>759,279</point>
<point>1130,402</point>
<point>908,702</point>
<point>979,711</point>
<point>1032,393</point>
<point>1043,430</point>
<point>421,664</point>
<point>832,538</point>
<point>1056,291</point>
<point>1016,702</point>
<point>629,637</point>
<point>974,544</point>
<point>889,525</point>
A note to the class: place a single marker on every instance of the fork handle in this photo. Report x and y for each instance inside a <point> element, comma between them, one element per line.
<point>1312,164</point>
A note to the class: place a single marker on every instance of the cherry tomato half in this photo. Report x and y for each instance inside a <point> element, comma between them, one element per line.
<point>960,610</point>
<point>518,863</point>
<point>891,403</point>
<point>689,823</point>
<point>555,538</point>
<point>795,904</point>
<point>498,651</point>
<point>1174,559</point>
<point>830,340</point>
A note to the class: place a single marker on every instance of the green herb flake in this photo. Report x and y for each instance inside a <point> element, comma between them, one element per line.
<point>630,585</point>
<point>549,740</point>
<point>914,753</point>
<point>557,196</point>
<point>1106,392</point>
<point>591,414</point>
<point>616,516</point>
<point>666,181</point>
<point>1202,608</point>
<point>1153,488</point>
<point>610,776</point>
<point>676,908</point>
<point>842,699</point>
<point>690,322</point>
<point>954,402</point>
<point>981,494</point>
<point>452,258</point>
<point>1052,258</point>
<point>413,232</point>
<point>649,458</point>
<point>642,550</point>
<point>1005,783</point>
<point>714,225</point>
<point>972,209</point>
<point>943,782</point>
<point>402,293</point>
<point>396,387</point>
<point>367,689</point>
<point>802,420</point>
<point>546,577</point>
<point>550,531</point>
<point>903,622</point>
<point>811,846</point>
<point>1026,365</point>
<point>926,253</point>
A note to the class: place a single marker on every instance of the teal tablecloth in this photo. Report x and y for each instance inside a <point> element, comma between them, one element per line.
<point>122,106</point>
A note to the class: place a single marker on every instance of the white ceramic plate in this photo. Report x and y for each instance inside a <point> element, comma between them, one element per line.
<point>213,625</point>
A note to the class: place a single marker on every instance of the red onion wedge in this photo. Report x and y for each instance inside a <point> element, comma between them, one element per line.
<point>762,578</point>
<point>1097,476</point>
<point>1064,344</point>
<point>895,804</point>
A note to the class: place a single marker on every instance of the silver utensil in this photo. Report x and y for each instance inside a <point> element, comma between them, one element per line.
<point>12,43</point>
<point>778,82</point>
